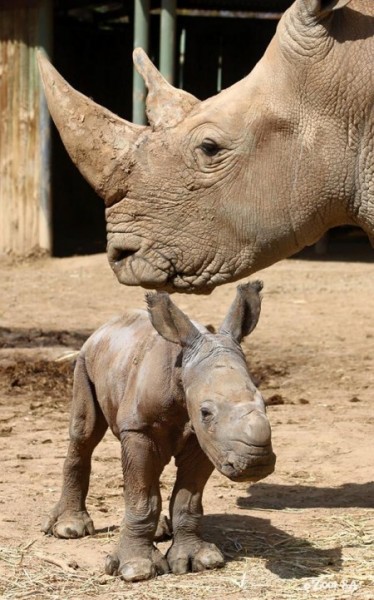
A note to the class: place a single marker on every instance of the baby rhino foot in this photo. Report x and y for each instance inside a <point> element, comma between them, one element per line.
<point>69,524</point>
<point>164,529</point>
<point>194,556</point>
<point>137,568</point>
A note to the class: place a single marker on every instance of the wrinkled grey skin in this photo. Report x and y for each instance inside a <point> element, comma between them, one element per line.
<point>166,387</point>
<point>212,191</point>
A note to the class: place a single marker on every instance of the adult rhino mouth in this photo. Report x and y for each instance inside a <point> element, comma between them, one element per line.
<point>152,269</point>
<point>133,266</point>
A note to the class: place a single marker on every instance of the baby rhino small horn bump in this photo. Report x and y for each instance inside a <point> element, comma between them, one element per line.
<point>258,429</point>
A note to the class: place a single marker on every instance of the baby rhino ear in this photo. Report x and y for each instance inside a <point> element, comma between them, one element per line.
<point>169,321</point>
<point>244,312</point>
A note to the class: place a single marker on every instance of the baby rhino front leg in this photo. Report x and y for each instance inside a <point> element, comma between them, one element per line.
<point>189,552</point>
<point>136,557</point>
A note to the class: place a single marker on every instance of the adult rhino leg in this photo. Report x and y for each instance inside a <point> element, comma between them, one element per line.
<point>69,518</point>
<point>189,552</point>
<point>136,557</point>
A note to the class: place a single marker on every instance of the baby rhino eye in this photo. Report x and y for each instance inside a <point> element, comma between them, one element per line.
<point>209,147</point>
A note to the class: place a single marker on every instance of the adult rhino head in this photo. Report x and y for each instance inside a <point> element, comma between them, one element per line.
<point>212,191</point>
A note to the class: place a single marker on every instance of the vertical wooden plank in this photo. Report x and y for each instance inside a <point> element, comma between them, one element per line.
<point>22,174</point>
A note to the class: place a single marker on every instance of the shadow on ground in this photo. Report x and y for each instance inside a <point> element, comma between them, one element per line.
<point>286,555</point>
<point>278,497</point>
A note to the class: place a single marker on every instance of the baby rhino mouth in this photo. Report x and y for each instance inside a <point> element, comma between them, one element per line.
<point>250,467</point>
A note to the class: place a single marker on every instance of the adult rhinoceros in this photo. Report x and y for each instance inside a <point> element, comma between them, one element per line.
<point>212,191</point>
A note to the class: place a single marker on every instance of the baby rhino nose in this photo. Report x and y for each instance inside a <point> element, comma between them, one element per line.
<point>258,429</point>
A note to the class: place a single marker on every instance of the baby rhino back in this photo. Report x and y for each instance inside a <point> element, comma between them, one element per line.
<point>133,371</point>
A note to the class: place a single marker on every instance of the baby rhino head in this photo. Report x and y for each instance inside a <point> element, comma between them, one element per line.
<point>226,409</point>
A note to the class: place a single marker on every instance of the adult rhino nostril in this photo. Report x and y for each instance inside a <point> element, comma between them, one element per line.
<point>123,254</point>
<point>119,255</point>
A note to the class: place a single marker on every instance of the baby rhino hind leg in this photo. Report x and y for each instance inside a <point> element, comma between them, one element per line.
<point>69,518</point>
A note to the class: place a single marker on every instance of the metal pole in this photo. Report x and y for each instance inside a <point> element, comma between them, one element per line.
<point>141,29</point>
<point>167,38</point>
<point>45,41</point>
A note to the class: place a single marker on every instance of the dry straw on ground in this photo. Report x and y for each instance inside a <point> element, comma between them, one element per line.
<point>258,568</point>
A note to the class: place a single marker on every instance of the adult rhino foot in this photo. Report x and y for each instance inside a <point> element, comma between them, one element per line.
<point>68,524</point>
<point>185,556</point>
<point>137,568</point>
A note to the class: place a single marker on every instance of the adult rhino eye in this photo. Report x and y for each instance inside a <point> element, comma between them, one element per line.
<point>209,147</point>
<point>206,414</point>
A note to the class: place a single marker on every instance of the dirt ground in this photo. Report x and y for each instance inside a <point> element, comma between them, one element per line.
<point>307,531</point>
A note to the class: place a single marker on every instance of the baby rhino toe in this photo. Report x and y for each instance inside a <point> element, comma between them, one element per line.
<point>69,525</point>
<point>137,568</point>
<point>207,557</point>
<point>198,556</point>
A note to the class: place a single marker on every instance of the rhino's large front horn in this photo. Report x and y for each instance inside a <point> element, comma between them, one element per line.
<point>99,142</point>
<point>165,105</point>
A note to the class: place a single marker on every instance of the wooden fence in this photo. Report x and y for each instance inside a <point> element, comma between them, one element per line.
<point>24,129</point>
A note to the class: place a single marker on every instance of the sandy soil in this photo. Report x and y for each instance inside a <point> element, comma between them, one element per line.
<point>305,532</point>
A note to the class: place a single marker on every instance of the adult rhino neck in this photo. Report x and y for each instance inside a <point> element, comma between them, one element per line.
<point>305,171</point>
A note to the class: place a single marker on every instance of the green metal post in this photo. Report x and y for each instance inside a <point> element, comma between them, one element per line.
<point>167,38</point>
<point>141,30</point>
<point>45,42</point>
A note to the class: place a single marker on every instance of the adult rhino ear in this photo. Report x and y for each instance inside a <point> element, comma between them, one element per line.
<point>169,321</point>
<point>320,8</point>
<point>244,312</point>
<point>166,105</point>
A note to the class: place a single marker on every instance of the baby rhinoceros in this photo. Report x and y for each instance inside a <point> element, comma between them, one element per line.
<point>166,387</point>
